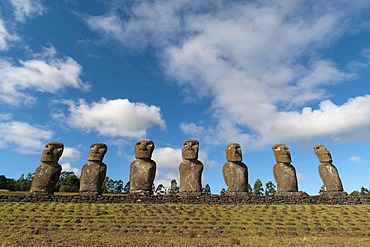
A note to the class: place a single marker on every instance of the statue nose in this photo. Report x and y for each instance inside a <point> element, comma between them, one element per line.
<point>50,151</point>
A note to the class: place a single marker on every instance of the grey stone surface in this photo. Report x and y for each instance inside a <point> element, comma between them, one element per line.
<point>234,171</point>
<point>190,169</point>
<point>47,174</point>
<point>328,172</point>
<point>94,171</point>
<point>143,168</point>
<point>284,173</point>
<point>207,199</point>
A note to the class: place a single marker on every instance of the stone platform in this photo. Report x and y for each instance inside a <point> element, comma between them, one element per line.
<point>207,199</point>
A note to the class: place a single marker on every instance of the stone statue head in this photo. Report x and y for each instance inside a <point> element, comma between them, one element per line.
<point>52,152</point>
<point>282,153</point>
<point>97,152</point>
<point>190,150</point>
<point>322,153</point>
<point>233,152</point>
<point>144,149</point>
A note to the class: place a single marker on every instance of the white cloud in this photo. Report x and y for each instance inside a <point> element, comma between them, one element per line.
<point>5,36</point>
<point>147,21</point>
<point>167,157</point>
<point>347,121</point>
<point>45,73</point>
<point>69,168</point>
<point>113,118</point>
<point>203,157</point>
<point>259,63</point>
<point>191,129</point>
<point>165,176</point>
<point>300,177</point>
<point>23,137</point>
<point>70,153</point>
<point>27,8</point>
<point>355,159</point>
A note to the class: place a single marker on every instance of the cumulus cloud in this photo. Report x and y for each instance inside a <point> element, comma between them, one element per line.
<point>258,63</point>
<point>168,160</point>
<point>113,118</point>
<point>140,23</point>
<point>27,8</point>
<point>350,122</point>
<point>69,168</point>
<point>23,137</point>
<point>355,159</point>
<point>191,129</point>
<point>300,177</point>
<point>46,73</point>
<point>167,157</point>
<point>165,176</point>
<point>5,36</point>
<point>70,153</point>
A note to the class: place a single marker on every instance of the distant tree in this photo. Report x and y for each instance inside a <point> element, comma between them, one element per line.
<point>257,188</point>
<point>161,190</point>
<point>24,184</point>
<point>118,186</point>
<point>3,182</point>
<point>364,191</point>
<point>68,182</point>
<point>250,190</point>
<point>206,190</point>
<point>108,185</point>
<point>355,193</point>
<point>7,183</point>
<point>174,189</point>
<point>322,190</point>
<point>223,191</point>
<point>270,189</point>
<point>126,189</point>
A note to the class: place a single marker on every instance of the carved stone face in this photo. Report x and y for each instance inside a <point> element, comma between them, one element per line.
<point>233,152</point>
<point>190,150</point>
<point>144,149</point>
<point>52,152</point>
<point>97,152</point>
<point>282,153</point>
<point>322,153</point>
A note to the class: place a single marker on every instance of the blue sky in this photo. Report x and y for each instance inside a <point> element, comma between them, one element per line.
<point>252,72</point>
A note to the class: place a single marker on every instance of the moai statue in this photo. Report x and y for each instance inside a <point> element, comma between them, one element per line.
<point>190,170</point>
<point>284,173</point>
<point>47,174</point>
<point>143,168</point>
<point>235,172</point>
<point>328,172</point>
<point>93,173</point>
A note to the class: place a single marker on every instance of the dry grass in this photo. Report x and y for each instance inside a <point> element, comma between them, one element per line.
<point>69,224</point>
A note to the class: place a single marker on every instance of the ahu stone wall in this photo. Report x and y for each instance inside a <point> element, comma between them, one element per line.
<point>206,199</point>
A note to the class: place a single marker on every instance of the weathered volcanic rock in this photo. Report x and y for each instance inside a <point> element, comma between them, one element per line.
<point>143,168</point>
<point>190,169</point>
<point>47,174</point>
<point>93,173</point>
<point>235,172</point>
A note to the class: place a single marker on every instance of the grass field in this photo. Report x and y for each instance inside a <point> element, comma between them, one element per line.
<point>68,224</point>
